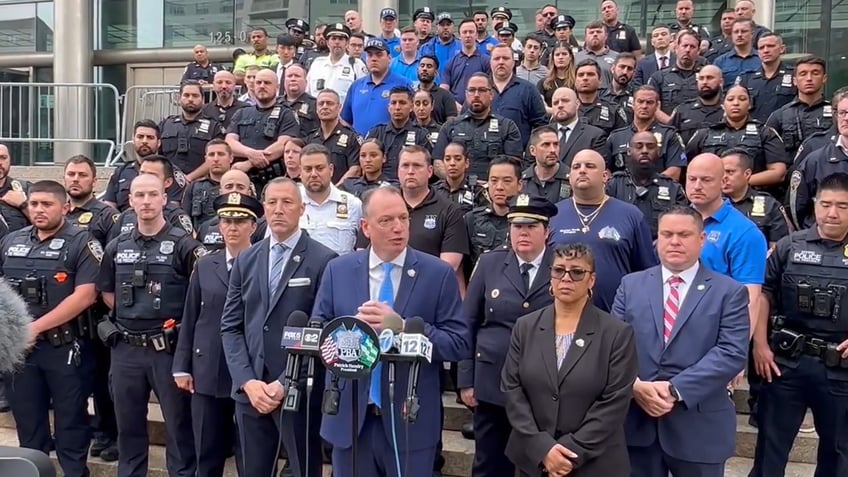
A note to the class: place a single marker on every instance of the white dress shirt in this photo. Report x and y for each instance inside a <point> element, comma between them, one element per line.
<point>563,138</point>
<point>688,276</point>
<point>290,243</point>
<point>658,57</point>
<point>537,262</point>
<point>376,273</point>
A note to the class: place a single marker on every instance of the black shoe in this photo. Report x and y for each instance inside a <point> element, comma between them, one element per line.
<point>98,445</point>
<point>468,431</point>
<point>4,405</point>
<point>752,420</point>
<point>110,453</point>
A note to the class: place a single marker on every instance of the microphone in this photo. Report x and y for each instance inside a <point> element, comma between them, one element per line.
<point>414,344</point>
<point>292,337</point>
<point>390,339</point>
<point>309,342</point>
<point>14,328</point>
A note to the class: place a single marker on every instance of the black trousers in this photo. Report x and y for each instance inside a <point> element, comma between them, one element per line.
<point>491,433</point>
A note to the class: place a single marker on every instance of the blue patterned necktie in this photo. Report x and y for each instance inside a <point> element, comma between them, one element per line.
<point>387,296</point>
<point>275,274</point>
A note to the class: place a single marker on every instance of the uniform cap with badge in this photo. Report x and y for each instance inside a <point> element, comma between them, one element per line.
<point>424,12</point>
<point>237,206</point>
<point>527,209</point>
<point>502,12</point>
<point>297,24</point>
<point>337,29</point>
<point>563,21</point>
<point>507,28</point>
<point>376,44</point>
<point>387,13</point>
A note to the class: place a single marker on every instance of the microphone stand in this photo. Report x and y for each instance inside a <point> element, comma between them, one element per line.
<point>354,451</point>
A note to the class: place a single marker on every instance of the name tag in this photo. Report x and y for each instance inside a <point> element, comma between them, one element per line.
<point>300,282</point>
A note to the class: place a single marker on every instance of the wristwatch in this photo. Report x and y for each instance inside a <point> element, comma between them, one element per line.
<point>674,393</point>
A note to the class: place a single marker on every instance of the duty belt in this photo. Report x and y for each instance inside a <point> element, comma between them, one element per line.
<point>158,339</point>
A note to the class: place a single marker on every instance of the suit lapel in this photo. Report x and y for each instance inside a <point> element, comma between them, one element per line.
<point>361,281</point>
<point>657,304</point>
<point>542,280</point>
<point>292,264</point>
<point>697,289</point>
<point>572,138</point>
<point>513,273</point>
<point>220,265</point>
<point>581,342</point>
<point>546,342</point>
<point>407,281</point>
<point>264,252</point>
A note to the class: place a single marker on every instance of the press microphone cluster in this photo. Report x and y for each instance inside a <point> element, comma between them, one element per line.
<point>14,328</point>
<point>300,339</point>
<point>411,346</point>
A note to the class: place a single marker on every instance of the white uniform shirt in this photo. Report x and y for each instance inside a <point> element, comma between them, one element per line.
<point>337,77</point>
<point>335,222</point>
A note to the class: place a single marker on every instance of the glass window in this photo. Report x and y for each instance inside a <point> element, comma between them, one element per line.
<point>17,28</point>
<point>188,23</point>
<point>44,27</point>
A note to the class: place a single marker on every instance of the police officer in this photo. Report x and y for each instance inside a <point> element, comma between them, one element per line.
<point>371,160</point>
<point>771,86</point>
<point>89,213</point>
<point>400,131</point>
<point>338,70</point>
<point>318,50</point>
<point>298,29</point>
<point>423,19</point>
<point>201,69</point>
<point>145,143</point>
<point>184,136</point>
<point>684,11</point>
<point>53,266</point>
<point>548,177</point>
<point>13,194</point>
<point>738,129</point>
<point>642,184</point>
<point>723,41</point>
<point>127,220</point>
<point>225,103</point>
<point>809,112</point>
<point>804,357</point>
<point>487,224</point>
<point>144,279</point>
<point>200,194</point>
<point>199,365</point>
<point>458,186</point>
<point>761,208</point>
<point>596,111</point>
<point>813,143</point>
<point>703,110</point>
<point>422,106</point>
<point>507,283</point>
<point>258,133</point>
<point>301,103</point>
<point>208,233</point>
<point>678,83</point>
<point>342,141</point>
<point>672,159</point>
<point>483,133</point>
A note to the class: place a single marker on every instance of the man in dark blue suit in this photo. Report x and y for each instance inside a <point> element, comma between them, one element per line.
<point>390,277</point>
<point>691,327</point>
<point>270,280</point>
<point>661,57</point>
<point>199,365</point>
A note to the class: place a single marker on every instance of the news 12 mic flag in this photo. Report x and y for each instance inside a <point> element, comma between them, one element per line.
<point>349,347</point>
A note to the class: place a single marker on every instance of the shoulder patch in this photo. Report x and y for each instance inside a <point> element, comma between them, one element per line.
<point>96,250</point>
<point>795,181</point>
<point>115,217</point>
<point>200,251</point>
<point>185,223</point>
<point>179,177</point>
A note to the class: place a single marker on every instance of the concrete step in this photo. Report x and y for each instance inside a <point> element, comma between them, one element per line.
<point>740,466</point>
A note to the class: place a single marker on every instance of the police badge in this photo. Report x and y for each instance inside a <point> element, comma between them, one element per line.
<point>166,247</point>
<point>85,217</point>
<point>96,250</point>
<point>430,222</point>
<point>759,208</point>
<point>56,244</point>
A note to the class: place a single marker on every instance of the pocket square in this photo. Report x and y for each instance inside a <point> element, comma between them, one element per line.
<point>300,282</point>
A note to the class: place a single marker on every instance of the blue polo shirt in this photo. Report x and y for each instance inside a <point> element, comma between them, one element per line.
<point>460,68</point>
<point>442,51</point>
<point>619,238</point>
<point>732,65</point>
<point>408,70</point>
<point>521,102</point>
<point>485,46</point>
<point>393,44</point>
<point>735,247</point>
<point>367,103</point>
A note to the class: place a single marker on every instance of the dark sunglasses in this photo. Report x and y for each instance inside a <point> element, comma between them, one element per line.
<point>575,274</point>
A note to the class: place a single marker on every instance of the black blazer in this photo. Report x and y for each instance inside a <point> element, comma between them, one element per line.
<point>584,136</point>
<point>581,406</point>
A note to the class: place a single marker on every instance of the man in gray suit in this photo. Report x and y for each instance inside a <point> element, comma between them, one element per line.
<point>274,277</point>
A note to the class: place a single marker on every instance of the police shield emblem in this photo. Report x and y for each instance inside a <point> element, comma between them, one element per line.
<point>96,250</point>
<point>179,177</point>
<point>56,244</point>
<point>16,185</point>
<point>430,222</point>
<point>385,94</point>
<point>166,247</point>
<point>234,198</point>
<point>185,223</point>
<point>759,208</point>
<point>85,217</point>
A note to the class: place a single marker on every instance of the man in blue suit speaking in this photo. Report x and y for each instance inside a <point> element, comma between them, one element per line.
<point>390,277</point>
<point>691,327</point>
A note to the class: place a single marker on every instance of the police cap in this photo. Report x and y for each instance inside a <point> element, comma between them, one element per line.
<point>376,44</point>
<point>502,12</point>
<point>337,29</point>
<point>235,205</point>
<point>388,13</point>
<point>424,12</point>
<point>527,209</point>
<point>297,24</point>
<point>562,21</point>
<point>507,28</point>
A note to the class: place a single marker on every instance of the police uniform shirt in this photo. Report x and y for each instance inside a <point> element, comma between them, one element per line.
<point>15,218</point>
<point>335,222</point>
<point>198,199</point>
<point>194,71</point>
<point>67,259</point>
<point>432,128</point>
<point>466,197</point>
<point>258,128</point>
<point>700,31</point>
<point>95,216</point>
<point>343,144</point>
<point>693,115</point>
<point>816,141</point>
<point>174,215</point>
<point>676,86</point>
<point>166,259</point>
<point>360,185</point>
<point>670,147</point>
<point>719,45</point>
<point>623,37</point>
<point>221,114</point>
<point>624,99</point>
<point>118,189</point>
<point>554,189</point>
<point>805,179</point>
<point>604,115</point>
<point>766,212</point>
<point>655,197</point>
<point>483,139</point>
<point>486,231</point>
<point>394,139</point>
<point>184,141</point>
<point>435,227</point>
<point>367,103</point>
<point>769,94</point>
<point>762,143</point>
<point>305,112</point>
<point>797,121</point>
<point>209,234</point>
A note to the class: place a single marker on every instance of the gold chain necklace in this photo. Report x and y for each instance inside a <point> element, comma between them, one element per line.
<point>587,219</point>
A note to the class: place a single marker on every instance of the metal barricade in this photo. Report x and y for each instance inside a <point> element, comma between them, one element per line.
<point>30,115</point>
<point>147,102</point>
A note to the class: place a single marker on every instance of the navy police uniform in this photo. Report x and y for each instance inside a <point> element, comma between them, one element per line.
<point>199,351</point>
<point>394,139</point>
<point>197,72</point>
<point>675,85</point>
<point>148,276</point>
<point>486,231</point>
<point>359,185</point>
<point>466,197</point>
<point>806,281</point>
<point>693,115</point>
<point>769,94</point>
<point>198,199</point>
<point>555,189</point>
<point>118,189</point>
<point>60,365</point>
<point>184,140</point>
<point>174,215</point>
<point>343,144</point>
<point>209,235</point>
<point>95,216</point>
<point>653,198</point>
<point>305,112</point>
<point>669,142</point>
<point>501,290</point>
<point>15,218</point>
<point>223,115</point>
<point>603,114</point>
<point>767,213</point>
<point>796,121</point>
<point>805,179</point>
<point>483,139</point>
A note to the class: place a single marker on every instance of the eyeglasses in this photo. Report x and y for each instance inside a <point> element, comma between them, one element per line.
<point>842,114</point>
<point>575,274</point>
<point>475,91</point>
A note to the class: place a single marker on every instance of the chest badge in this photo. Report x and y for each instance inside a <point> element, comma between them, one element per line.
<point>85,217</point>
<point>166,247</point>
<point>342,142</point>
<point>759,209</point>
<point>496,293</point>
<point>430,222</point>
<point>56,244</point>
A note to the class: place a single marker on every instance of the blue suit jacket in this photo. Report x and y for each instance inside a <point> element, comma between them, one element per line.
<point>428,289</point>
<point>647,66</point>
<point>707,348</point>
<point>252,323</point>
<point>199,349</point>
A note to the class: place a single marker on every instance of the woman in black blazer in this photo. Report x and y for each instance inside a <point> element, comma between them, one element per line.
<point>568,379</point>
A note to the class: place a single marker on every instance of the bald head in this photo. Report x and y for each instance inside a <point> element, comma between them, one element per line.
<point>590,156</point>
<point>707,163</point>
<point>703,183</point>
<point>712,70</point>
<point>564,92</point>
<point>147,181</point>
<point>235,180</point>
<point>565,105</point>
<point>224,75</point>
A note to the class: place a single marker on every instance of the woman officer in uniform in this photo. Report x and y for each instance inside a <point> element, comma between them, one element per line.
<point>507,282</point>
